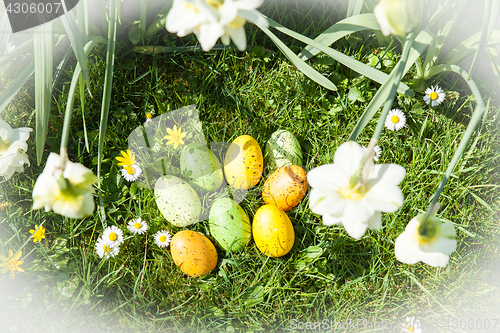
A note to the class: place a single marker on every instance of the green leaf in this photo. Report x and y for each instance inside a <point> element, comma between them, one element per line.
<point>354,7</point>
<point>143,16</point>
<point>468,47</point>
<point>11,91</point>
<point>77,42</point>
<point>490,13</point>
<point>340,29</point>
<point>135,34</point>
<point>353,64</point>
<point>43,83</point>
<point>253,296</point>
<point>106,98</point>
<point>301,65</point>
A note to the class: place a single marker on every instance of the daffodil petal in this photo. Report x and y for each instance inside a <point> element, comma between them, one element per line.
<point>348,157</point>
<point>375,222</point>
<point>326,175</point>
<point>330,219</point>
<point>436,259</point>
<point>406,248</point>
<point>357,211</point>
<point>385,197</point>
<point>239,37</point>
<point>355,229</point>
<point>325,201</point>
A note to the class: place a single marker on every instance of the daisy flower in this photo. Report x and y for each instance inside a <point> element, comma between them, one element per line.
<point>12,263</point>
<point>106,251</point>
<point>377,151</point>
<point>395,120</point>
<point>149,116</point>
<point>434,95</point>
<point>175,136</point>
<point>112,236</point>
<point>131,172</point>
<point>38,235</point>
<point>137,226</point>
<point>162,238</point>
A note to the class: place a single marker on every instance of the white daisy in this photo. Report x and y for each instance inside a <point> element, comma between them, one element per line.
<point>162,238</point>
<point>377,151</point>
<point>395,120</point>
<point>434,95</point>
<point>106,251</point>
<point>137,226</point>
<point>112,236</point>
<point>149,116</point>
<point>131,172</point>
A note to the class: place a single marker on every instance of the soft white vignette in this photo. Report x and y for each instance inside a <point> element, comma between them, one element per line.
<point>19,285</point>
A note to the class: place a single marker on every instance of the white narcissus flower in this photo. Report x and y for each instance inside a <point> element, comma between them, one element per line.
<point>12,149</point>
<point>397,17</point>
<point>433,248</point>
<point>210,20</point>
<point>340,199</point>
<point>68,193</point>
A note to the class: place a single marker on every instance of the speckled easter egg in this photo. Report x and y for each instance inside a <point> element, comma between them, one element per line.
<point>229,225</point>
<point>285,187</point>
<point>272,231</point>
<point>193,253</point>
<point>201,168</point>
<point>243,163</point>
<point>177,201</point>
<point>282,149</point>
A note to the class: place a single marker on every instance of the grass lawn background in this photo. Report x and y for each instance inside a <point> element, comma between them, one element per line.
<point>327,275</point>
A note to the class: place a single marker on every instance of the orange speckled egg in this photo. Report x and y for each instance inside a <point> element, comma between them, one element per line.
<point>193,253</point>
<point>243,163</point>
<point>272,231</point>
<point>286,187</point>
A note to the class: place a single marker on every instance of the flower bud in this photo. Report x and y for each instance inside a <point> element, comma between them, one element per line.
<point>397,17</point>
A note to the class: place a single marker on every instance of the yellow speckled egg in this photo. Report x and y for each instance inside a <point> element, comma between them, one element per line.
<point>286,187</point>
<point>193,253</point>
<point>243,163</point>
<point>273,231</point>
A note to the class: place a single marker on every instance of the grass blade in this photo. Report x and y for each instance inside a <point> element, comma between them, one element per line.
<point>339,30</point>
<point>143,16</point>
<point>43,83</point>
<point>106,98</point>
<point>300,64</point>
<point>353,64</point>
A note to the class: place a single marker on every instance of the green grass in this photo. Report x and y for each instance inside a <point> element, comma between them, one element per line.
<point>327,275</point>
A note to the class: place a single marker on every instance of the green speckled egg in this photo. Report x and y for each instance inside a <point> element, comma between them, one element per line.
<point>282,149</point>
<point>177,201</point>
<point>200,168</point>
<point>229,225</point>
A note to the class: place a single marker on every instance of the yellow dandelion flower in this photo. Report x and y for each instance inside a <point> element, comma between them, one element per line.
<point>12,263</point>
<point>38,234</point>
<point>175,136</point>
<point>127,159</point>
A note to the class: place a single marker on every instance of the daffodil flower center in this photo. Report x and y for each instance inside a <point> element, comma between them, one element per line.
<point>353,193</point>
<point>394,119</point>
<point>215,3</point>
<point>3,146</point>
<point>137,225</point>
<point>112,236</point>
<point>191,7</point>
<point>433,95</point>
<point>163,238</point>
<point>238,22</point>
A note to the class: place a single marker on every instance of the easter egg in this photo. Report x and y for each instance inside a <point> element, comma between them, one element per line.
<point>193,253</point>
<point>229,225</point>
<point>272,231</point>
<point>282,149</point>
<point>201,168</point>
<point>285,187</point>
<point>177,201</point>
<point>243,163</point>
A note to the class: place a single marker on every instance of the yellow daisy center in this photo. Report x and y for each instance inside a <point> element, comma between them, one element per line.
<point>106,248</point>
<point>163,238</point>
<point>112,236</point>
<point>137,225</point>
<point>130,170</point>
<point>395,119</point>
<point>149,115</point>
<point>410,329</point>
<point>433,95</point>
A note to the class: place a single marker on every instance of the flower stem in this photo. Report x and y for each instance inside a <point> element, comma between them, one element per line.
<point>475,119</point>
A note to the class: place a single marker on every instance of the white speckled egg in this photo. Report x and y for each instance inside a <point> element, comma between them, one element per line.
<point>177,201</point>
